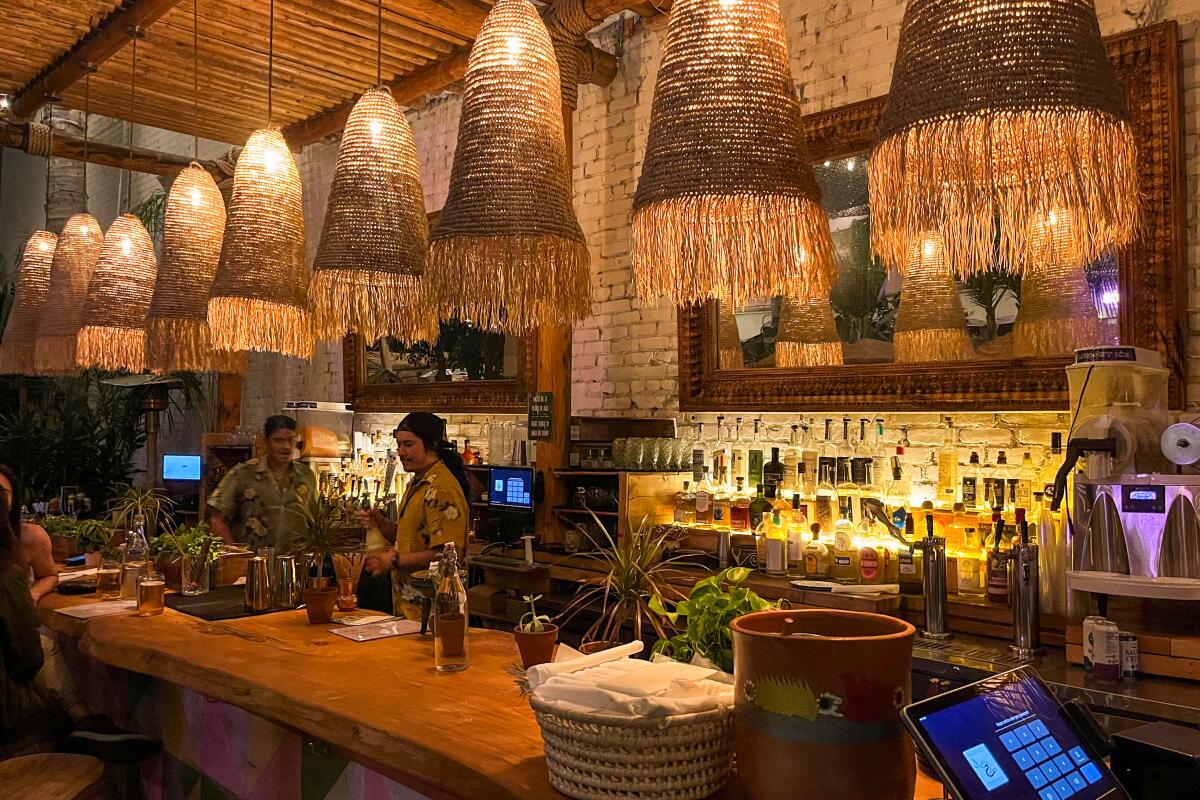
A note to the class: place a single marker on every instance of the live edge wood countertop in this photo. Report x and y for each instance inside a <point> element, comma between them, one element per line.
<point>461,736</point>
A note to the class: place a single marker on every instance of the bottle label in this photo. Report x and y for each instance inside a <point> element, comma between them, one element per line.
<point>841,541</point>
<point>810,563</point>
<point>947,474</point>
<point>756,518</point>
<point>860,471</point>
<point>868,563</point>
<point>756,467</point>
<point>702,503</point>
<point>969,489</point>
<point>719,510</point>
<point>841,561</point>
<point>776,555</point>
<point>908,565</point>
<point>697,465</point>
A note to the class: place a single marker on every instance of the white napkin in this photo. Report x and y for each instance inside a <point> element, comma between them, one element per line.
<point>544,672</point>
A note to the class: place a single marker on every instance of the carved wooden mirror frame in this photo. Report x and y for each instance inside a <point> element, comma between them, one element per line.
<point>1151,271</point>
<point>500,396</point>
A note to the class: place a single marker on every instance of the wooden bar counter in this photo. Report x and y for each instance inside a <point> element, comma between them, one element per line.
<point>467,735</point>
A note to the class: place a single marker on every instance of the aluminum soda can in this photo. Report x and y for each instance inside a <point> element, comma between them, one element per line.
<point>1129,655</point>
<point>1106,652</point>
<point>1089,627</point>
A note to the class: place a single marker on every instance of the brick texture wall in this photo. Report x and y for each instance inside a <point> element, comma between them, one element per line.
<point>625,354</point>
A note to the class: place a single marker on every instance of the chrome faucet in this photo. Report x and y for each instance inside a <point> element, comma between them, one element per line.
<point>1024,587</point>
<point>933,549</point>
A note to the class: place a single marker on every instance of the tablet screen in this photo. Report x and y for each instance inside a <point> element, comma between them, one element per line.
<point>1010,740</point>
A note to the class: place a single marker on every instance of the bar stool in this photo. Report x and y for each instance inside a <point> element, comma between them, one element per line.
<point>53,776</point>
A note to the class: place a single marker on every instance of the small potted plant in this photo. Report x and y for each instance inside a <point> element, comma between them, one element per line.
<point>94,536</point>
<point>536,635</point>
<point>322,534</point>
<point>186,556</point>
<point>64,541</point>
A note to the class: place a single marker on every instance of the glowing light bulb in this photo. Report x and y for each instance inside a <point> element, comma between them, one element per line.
<point>851,165</point>
<point>1110,297</point>
<point>727,4</point>
<point>195,197</point>
<point>929,249</point>
<point>514,46</point>
<point>83,230</point>
<point>1053,218</point>
<point>3,102</point>
<point>42,246</point>
<point>376,127</point>
<point>271,160</point>
<point>126,245</point>
<point>828,164</point>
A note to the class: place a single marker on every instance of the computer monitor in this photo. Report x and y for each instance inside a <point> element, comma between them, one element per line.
<point>181,468</point>
<point>511,487</point>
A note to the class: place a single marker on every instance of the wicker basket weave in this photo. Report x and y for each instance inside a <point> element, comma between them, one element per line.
<point>600,757</point>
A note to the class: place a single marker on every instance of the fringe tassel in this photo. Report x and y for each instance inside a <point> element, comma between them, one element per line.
<point>945,344</point>
<point>111,348</point>
<point>16,358</point>
<point>732,358</point>
<point>246,323</point>
<point>795,354</point>
<point>55,355</point>
<point>734,248</point>
<point>1053,337</point>
<point>372,304</point>
<point>511,283</point>
<point>994,180</point>
<point>182,344</point>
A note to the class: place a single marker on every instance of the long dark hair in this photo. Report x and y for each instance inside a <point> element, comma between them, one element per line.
<point>431,430</point>
<point>10,515</point>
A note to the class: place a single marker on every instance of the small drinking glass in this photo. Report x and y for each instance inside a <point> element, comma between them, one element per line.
<point>108,580</point>
<point>193,576</point>
<point>150,590</point>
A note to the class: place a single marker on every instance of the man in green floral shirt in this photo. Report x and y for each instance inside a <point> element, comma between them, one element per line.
<point>257,502</point>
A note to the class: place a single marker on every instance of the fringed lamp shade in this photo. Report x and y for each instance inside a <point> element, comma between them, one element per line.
<point>1001,110</point>
<point>75,258</point>
<point>930,325</point>
<point>33,284</point>
<point>1057,314</point>
<point>177,333</point>
<point>507,251</point>
<point>375,240</point>
<point>808,335</point>
<point>727,205</point>
<point>729,338</point>
<point>113,336</point>
<point>260,296</point>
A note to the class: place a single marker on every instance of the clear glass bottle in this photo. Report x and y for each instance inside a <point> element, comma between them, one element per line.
<point>135,558</point>
<point>817,562</point>
<point>699,450</point>
<point>825,502</point>
<point>1025,475</point>
<point>972,569</point>
<point>971,493</point>
<point>847,489</point>
<point>895,494</point>
<point>739,512</point>
<point>844,567</point>
<point>704,500</point>
<point>721,501</point>
<point>798,534</point>
<point>865,474</point>
<point>755,457</point>
<point>1006,491</point>
<point>737,452</point>
<point>1051,461</point>
<point>449,612</point>
<point>947,465</point>
<point>776,536</point>
<point>685,505</point>
<point>791,462</point>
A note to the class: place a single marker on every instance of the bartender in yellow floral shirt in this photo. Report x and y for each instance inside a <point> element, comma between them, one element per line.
<point>432,512</point>
<point>258,502</point>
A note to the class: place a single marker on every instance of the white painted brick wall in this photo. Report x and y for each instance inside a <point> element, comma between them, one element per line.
<point>625,354</point>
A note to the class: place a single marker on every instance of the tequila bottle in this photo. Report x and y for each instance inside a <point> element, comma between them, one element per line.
<point>739,513</point>
<point>947,464</point>
<point>704,500</point>
<point>791,462</point>
<point>685,505</point>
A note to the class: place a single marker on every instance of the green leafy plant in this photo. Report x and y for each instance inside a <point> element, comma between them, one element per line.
<point>146,502</point>
<point>533,622</point>
<point>60,526</point>
<point>635,575</point>
<point>713,604</point>
<point>94,535</point>
<point>188,540</point>
<point>324,531</point>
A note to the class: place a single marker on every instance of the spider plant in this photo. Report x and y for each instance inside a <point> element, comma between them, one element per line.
<point>636,573</point>
<point>324,532</point>
<point>149,503</point>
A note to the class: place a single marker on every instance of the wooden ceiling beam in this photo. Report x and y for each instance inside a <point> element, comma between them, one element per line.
<point>62,145</point>
<point>92,49</point>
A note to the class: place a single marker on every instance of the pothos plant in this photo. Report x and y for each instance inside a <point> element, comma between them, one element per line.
<point>713,603</point>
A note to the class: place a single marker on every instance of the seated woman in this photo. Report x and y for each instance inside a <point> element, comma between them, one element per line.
<point>432,512</point>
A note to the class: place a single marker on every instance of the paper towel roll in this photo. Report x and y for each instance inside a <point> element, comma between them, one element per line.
<point>1181,444</point>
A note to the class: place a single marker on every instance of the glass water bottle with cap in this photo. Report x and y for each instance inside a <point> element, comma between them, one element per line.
<point>449,615</point>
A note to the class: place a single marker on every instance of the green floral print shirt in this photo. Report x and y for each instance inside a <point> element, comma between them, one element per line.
<point>259,511</point>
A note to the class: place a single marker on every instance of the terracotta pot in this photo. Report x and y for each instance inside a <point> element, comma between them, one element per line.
<point>537,648</point>
<point>319,605</point>
<point>63,547</point>
<point>91,559</point>
<point>588,648</point>
<point>818,717</point>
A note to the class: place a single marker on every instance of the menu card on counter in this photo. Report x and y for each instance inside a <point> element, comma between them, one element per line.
<point>378,630</point>
<point>104,608</point>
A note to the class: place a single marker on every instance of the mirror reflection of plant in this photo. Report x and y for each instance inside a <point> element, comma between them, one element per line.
<point>461,347</point>
<point>635,573</point>
<point>862,307</point>
<point>988,290</point>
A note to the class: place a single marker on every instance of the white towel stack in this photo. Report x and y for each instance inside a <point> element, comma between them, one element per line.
<point>612,683</point>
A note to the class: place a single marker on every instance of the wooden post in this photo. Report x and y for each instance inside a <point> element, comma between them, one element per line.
<point>554,375</point>
<point>229,402</point>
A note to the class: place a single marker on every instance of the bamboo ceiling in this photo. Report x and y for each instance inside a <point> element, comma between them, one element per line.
<point>324,56</point>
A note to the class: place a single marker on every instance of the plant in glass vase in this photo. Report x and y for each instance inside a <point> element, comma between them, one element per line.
<point>323,533</point>
<point>186,556</point>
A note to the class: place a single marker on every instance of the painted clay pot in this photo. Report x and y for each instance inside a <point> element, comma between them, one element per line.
<point>537,648</point>
<point>818,699</point>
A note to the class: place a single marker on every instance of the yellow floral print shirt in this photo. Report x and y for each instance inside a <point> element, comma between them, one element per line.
<point>259,511</point>
<point>432,513</point>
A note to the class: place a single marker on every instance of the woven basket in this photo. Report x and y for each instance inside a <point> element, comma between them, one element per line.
<point>599,757</point>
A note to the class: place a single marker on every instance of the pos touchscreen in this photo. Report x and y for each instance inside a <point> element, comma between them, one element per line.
<point>1007,738</point>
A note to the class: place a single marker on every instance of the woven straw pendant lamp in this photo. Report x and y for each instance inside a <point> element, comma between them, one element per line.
<point>113,336</point>
<point>260,296</point>
<point>177,337</point>
<point>1057,314</point>
<point>729,338</point>
<point>507,251</point>
<point>375,239</point>
<point>1001,111</point>
<point>727,205</point>
<point>75,258</point>
<point>33,284</point>
<point>808,335</point>
<point>930,325</point>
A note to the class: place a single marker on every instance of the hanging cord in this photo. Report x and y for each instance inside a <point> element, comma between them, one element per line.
<point>379,44</point>
<point>196,79</point>
<point>49,146</point>
<point>270,57</point>
<point>135,34</point>
<point>87,105</point>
